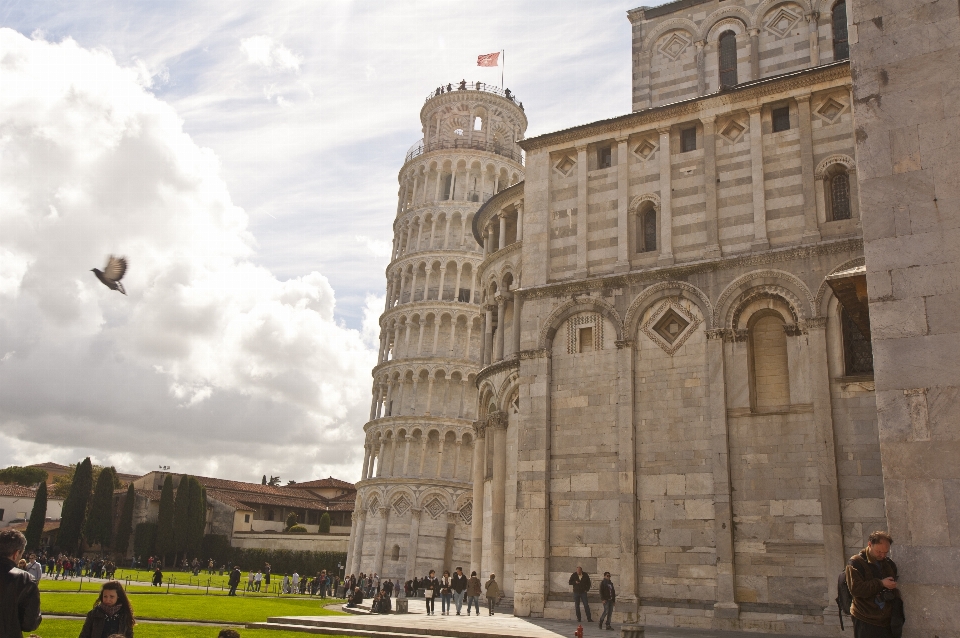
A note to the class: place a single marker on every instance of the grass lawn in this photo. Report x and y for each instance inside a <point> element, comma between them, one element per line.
<point>71,629</point>
<point>49,585</point>
<point>193,607</point>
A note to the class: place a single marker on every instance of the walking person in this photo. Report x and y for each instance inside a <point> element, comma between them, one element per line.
<point>492,589</point>
<point>446,593</point>
<point>20,600</point>
<point>34,568</point>
<point>257,580</point>
<point>234,580</point>
<point>473,593</point>
<point>111,614</point>
<point>431,589</point>
<point>459,586</point>
<point>608,597</point>
<point>877,609</point>
<point>580,581</point>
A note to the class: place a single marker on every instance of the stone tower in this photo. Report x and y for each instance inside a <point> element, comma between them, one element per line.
<point>414,505</point>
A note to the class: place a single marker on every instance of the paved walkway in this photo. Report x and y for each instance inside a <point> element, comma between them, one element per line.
<point>497,626</point>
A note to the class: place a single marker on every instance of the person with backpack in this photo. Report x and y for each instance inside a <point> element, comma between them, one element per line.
<point>871,578</point>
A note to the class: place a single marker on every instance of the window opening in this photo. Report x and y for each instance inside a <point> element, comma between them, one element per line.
<point>478,123</point>
<point>857,349</point>
<point>771,377</point>
<point>688,139</point>
<point>458,131</point>
<point>246,518</point>
<point>395,554</point>
<point>728,59</point>
<point>604,157</point>
<point>647,231</point>
<point>781,119</point>
<point>464,295</point>
<point>585,337</point>
<point>840,196</point>
<point>269,515</point>
<point>841,47</point>
<point>447,182</point>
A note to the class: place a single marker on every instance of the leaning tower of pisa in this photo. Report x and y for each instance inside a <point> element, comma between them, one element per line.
<point>414,506</point>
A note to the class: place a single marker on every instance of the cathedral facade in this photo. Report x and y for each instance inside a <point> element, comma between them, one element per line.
<point>669,354</point>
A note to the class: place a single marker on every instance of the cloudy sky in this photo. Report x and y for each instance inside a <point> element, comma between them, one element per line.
<point>244,157</point>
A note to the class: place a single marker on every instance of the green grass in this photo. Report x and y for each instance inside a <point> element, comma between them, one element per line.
<point>71,628</point>
<point>48,585</point>
<point>193,607</point>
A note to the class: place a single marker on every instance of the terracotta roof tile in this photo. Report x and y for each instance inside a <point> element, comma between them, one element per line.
<point>327,482</point>
<point>17,490</point>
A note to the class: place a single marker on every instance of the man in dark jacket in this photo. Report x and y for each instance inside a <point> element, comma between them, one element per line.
<point>608,596</point>
<point>19,596</point>
<point>459,586</point>
<point>872,579</point>
<point>580,581</point>
<point>234,580</point>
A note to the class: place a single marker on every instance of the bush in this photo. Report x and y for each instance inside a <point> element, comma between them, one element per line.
<point>145,540</point>
<point>286,561</point>
<point>217,547</point>
<point>325,523</point>
<point>297,529</point>
<point>291,521</point>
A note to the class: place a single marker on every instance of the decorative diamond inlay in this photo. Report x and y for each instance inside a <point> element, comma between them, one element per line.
<point>434,507</point>
<point>645,149</point>
<point>466,513</point>
<point>401,505</point>
<point>733,130</point>
<point>374,505</point>
<point>674,46</point>
<point>565,165</point>
<point>670,325</point>
<point>830,110</point>
<point>781,22</point>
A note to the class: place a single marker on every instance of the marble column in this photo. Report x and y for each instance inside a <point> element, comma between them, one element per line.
<point>381,541</point>
<point>623,205</point>
<point>760,241</point>
<point>519,208</point>
<point>666,197</point>
<point>448,543</point>
<point>412,544</point>
<point>754,54</point>
<point>498,423</point>
<point>712,249</point>
<point>726,606</point>
<point>811,232</point>
<point>503,232</point>
<point>834,556</point>
<point>813,26</point>
<point>357,558</point>
<point>701,67</point>
<point>501,314</point>
<point>383,444</point>
<point>488,335</point>
<point>517,309</point>
<point>581,270</point>
<point>406,453</point>
<point>476,532</point>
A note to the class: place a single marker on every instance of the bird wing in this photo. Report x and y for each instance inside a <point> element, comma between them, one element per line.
<point>115,268</point>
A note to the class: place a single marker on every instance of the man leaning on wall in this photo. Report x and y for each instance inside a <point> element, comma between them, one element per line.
<point>872,578</point>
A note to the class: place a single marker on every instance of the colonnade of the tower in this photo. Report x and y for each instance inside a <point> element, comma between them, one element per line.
<point>415,499</point>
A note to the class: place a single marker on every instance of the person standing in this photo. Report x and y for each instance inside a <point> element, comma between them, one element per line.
<point>446,593</point>
<point>295,583</point>
<point>234,580</point>
<point>19,595</point>
<point>34,568</point>
<point>257,580</point>
<point>111,615</point>
<point>431,589</point>
<point>266,575</point>
<point>459,585</point>
<point>877,609</point>
<point>251,577</point>
<point>473,593</point>
<point>608,597</point>
<point>492,589</point>
<point>157,577</point>
<point>580,581</point>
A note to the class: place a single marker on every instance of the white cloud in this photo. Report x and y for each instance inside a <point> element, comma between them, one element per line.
<point>209,356</point>
<point>262,50</point>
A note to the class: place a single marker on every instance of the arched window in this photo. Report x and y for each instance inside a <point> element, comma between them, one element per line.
<point>395,554</point>
<point>840,195</point>
<point>857,349</point>
<point>841,48</point>
<point>771,377</point>
<point>647,230</point>
<point>728,59</point>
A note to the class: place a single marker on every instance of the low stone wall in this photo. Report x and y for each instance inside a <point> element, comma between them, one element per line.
<point>292,542</point>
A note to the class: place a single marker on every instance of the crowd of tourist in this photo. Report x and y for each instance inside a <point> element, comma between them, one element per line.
<point>451,590</point>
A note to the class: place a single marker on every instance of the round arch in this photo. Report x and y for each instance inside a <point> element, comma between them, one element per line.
<point>572,307</point>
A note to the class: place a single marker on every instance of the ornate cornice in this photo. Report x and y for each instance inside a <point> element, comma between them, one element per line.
<point>457,307</point>
<point>655,116</point>
<point>407,420</point>
<point>432,255</point>
<point>681,271</point>
<point>434,102</point>
<point>431,364</point>
<point>495,368</point>
<point>413,481</point>
<point>497,420</point>
<point>539,353</point>
<point>815,323</point>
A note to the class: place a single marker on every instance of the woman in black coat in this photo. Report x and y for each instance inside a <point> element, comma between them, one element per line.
<point>111,614</point>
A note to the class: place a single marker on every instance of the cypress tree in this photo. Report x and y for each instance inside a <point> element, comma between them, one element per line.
<point>181,516</point>
<point>325,523</point>
<point>125,526</point>
<point>164,532</point>
<point>75,507</point>
<point>99,526</point>
<point>197,517</point>
<point>37,517</point>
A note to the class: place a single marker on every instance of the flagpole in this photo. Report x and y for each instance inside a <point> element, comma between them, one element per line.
<point>503,53</point>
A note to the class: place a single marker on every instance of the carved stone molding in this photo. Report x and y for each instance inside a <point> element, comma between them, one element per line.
<point>497,420</point>
<point>815,323</point>
<point>717,333</point>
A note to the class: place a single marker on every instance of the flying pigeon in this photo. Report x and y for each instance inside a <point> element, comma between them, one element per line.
<point>112,273</point>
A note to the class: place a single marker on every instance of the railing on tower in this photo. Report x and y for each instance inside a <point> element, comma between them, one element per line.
<point>463,85</point>
<point>478,145</point>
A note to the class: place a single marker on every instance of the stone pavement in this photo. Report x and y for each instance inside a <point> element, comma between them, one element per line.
<point>417,624</point>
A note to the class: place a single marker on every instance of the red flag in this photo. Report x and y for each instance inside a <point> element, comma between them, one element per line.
<point>490,59</point>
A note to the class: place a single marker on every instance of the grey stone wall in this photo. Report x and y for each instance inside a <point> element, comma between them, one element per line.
<point>906,62</point>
